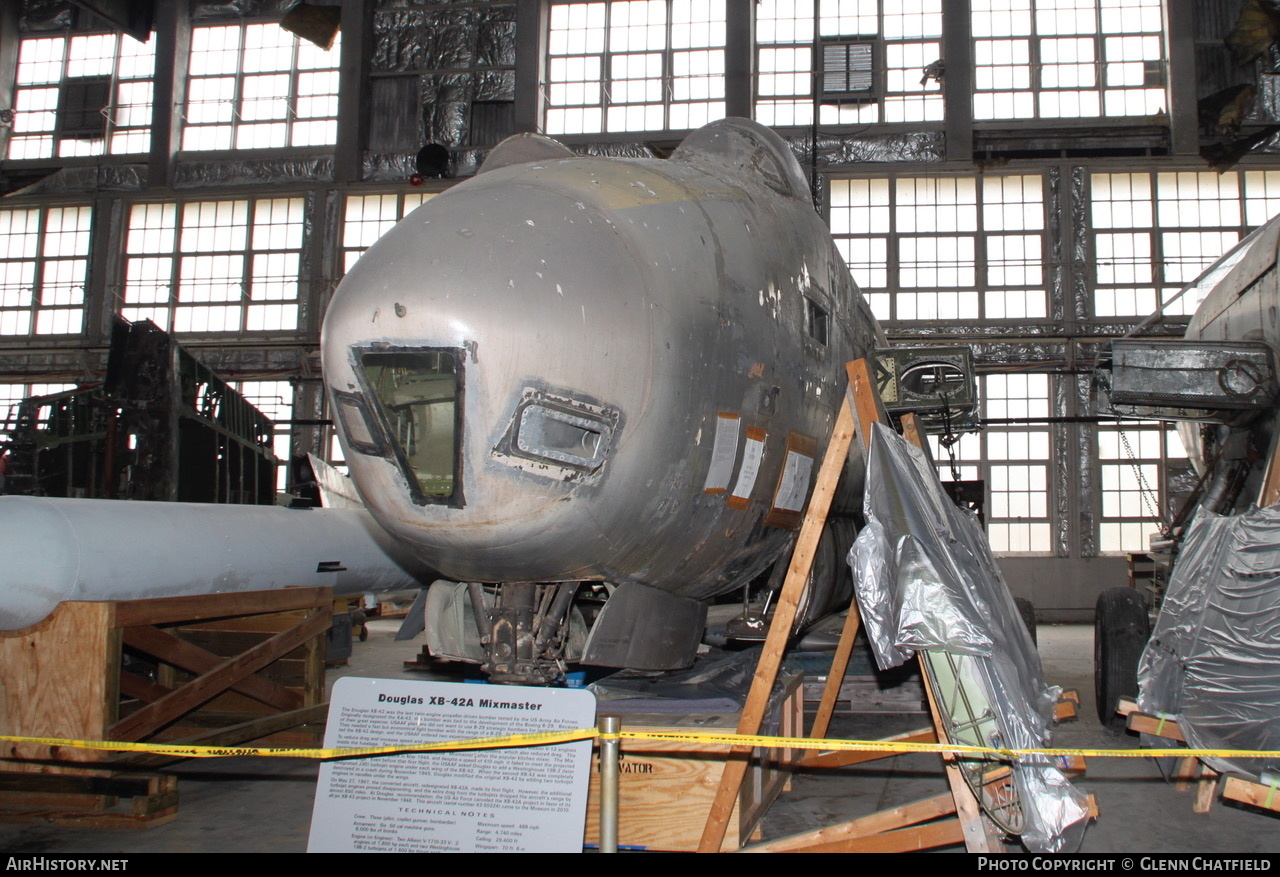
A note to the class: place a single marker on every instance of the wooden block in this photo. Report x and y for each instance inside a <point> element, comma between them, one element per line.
<point>1206,789</point>
<point>1185,773</point>
<point>1155,726</point>
<point>1254,794</point>
<point>666,788</point>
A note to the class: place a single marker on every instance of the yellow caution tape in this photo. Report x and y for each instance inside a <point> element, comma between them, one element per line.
<point>506,741</point>
<point>550,738</point>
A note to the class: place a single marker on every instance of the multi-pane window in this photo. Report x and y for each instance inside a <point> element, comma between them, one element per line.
<point>369,217</point>
<point>1013,458</point>
<point>635,65</point>
<point>44,266</point>
<point>215,266</point>
<point>1051,59</point>
<point>879,61</point>
<point>1134,460</point>
<point>275,400</point>
<point>257,86</point>
<point>945,248</point>
<point>1155,233</point>
<point>88,94</point>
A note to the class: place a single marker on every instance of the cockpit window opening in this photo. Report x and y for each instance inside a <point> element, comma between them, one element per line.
<point>816,321</point>
<point>362,431</point>
<point>418,395</point>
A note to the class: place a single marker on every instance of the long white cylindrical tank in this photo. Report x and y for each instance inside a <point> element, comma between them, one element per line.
<point>82,549</point>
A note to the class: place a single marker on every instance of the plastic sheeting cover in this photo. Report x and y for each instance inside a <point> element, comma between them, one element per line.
<point>1213,660</point>
<point>926,580</point>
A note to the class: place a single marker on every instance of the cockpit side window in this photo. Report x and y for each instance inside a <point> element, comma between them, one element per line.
<point>418,396</point>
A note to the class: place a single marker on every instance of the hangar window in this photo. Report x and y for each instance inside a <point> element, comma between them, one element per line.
<point>257,86</point>
<point>1049,59</point>
<point>369,217</point>
<point>635,65</point>
<point>44,266</point>
<point>1153,234</point>
<point>945,248</point>
<point>874,57</point>
<point>1136,463</point>
<point>1014,459</point>
<point>275,400</point>
<point>88,94</point>
<point>215,266</point>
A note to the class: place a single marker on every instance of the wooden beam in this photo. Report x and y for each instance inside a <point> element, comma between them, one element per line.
<point>905,840</point>
<point>190,657</point>
<point>231,735</point>
<point>201,607</point>
<point>844,758</point>
<point>1206,790</point>
<point>885,820</point>
<point>784,614</point>
<point>156,715</point>
<point>1251,793</point>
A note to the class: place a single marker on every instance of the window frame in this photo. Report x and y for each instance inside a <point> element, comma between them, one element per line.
<point>127,71</point>
<point>184,247</point>
<point>668,81</point>
<point>236,123</point>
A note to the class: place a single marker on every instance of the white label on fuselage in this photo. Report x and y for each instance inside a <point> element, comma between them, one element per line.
<point>795,482</point>
<point>752,452</point>
<point>723,453</point>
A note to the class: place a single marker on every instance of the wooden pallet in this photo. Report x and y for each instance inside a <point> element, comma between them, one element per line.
<point>217,669</point>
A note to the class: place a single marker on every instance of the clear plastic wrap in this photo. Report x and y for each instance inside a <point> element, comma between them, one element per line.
<point>1213,660</point>
<point>927,581</point>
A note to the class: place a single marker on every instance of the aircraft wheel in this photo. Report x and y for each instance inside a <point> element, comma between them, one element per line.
<point>1121,629</point>
<point>1028,612</point>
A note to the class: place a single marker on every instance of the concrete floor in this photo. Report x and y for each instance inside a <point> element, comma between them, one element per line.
<point>264,805</point>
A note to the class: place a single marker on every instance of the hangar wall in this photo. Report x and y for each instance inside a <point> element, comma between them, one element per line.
<point>1032,207</point>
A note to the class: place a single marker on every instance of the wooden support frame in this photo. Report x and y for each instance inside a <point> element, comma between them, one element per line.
<point>860,409</point>
<point>223,669</point>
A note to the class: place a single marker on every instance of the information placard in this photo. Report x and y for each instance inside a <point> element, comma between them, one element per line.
<point>530,799</point>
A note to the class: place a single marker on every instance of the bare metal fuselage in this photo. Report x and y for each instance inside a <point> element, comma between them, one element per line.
<point>650,306</point>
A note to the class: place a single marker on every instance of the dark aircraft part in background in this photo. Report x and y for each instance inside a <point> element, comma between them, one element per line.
<point>162,426</point>
<point>1228,382</point>
<point>575,369</point>
<point>936,383</point>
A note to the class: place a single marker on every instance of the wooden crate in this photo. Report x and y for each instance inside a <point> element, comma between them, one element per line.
<point>218,670</point>
<point>666,788</point>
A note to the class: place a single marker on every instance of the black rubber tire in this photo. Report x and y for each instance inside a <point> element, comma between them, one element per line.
<point>1121,629</point>
<point>1027,610</point>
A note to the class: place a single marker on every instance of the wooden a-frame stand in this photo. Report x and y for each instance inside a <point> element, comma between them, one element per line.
<point>910,827</point>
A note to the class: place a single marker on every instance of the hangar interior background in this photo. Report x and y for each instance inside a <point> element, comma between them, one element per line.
<point>1029,177</point>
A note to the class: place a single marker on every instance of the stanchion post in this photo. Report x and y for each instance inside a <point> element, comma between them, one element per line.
<point>609,745</point>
